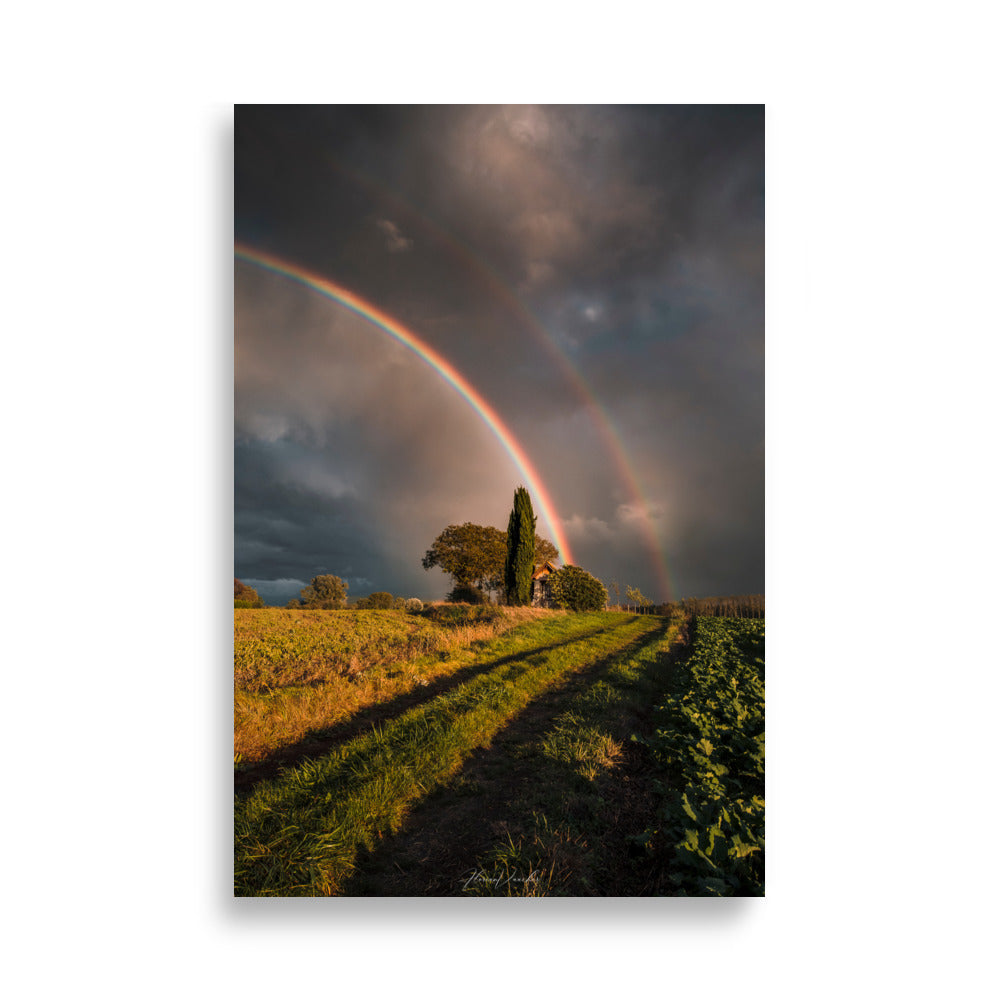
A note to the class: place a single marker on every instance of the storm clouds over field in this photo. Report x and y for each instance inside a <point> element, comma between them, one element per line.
<point>595,273</point>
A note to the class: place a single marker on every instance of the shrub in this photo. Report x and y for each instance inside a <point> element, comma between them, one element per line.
<point>381,600</point>
<point>326,591</point>
<point>461,614</point>
<point>464,594</point>
<point>244,596</point>
<point>575,589</point>
<point>414,604</point>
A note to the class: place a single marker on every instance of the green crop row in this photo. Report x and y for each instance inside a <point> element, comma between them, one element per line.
<point>709,747</point>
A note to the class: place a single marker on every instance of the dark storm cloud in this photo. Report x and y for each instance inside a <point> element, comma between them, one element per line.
<point>625,242</point>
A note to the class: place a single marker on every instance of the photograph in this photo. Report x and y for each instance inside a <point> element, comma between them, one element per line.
<point>498,500</point>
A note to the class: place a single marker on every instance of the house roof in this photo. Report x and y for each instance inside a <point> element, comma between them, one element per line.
<point>547,567</point>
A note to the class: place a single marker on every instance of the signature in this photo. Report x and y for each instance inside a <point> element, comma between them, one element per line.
<point>481,878</point>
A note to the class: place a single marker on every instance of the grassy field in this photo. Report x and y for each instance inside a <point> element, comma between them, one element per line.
<point>385,754</point>
<point>299,674</point>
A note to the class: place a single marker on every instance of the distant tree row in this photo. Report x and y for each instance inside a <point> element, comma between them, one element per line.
<point>742,606</point>
<point>635,600</point>
<point>330,593</point>
<point>384,601</point>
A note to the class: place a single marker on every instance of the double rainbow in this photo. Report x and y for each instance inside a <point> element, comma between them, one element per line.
<point>441,365</point>
<point>494,286</point>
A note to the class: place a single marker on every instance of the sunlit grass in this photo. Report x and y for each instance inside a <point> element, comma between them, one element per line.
<point>588,749</point>
<point>300,834</point>
<point>300,673</point>
<point>562,834</point>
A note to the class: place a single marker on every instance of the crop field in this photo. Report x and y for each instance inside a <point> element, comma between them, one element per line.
<point>709,746</point>
<point>510,752</point>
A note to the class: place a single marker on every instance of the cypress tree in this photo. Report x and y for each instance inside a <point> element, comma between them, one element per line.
<point>520,549</point>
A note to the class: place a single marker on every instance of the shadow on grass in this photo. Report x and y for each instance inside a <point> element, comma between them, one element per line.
<point>510,803</point>
<point>321,740</point>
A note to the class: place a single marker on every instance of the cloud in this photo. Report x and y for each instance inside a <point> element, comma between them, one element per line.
<point>625,241</point>
<point>277,593</point>
<point>590,529</point>
<point>395,241</point>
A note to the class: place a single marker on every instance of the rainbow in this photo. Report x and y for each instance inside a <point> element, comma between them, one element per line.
<point>496,287</point>
<point>441,365</point>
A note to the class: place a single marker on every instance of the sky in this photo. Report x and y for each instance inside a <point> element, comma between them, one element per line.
<point>437,304</point>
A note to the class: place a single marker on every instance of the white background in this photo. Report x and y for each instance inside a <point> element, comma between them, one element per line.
<point>882,216</point>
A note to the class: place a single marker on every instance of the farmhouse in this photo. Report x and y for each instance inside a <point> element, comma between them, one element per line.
<point>541,592</point>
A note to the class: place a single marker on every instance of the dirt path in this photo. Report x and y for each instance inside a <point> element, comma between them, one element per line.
<point>572,832</point>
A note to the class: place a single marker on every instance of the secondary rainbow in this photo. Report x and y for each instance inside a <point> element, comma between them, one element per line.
<point>441,365</point>
<point>496,287</point>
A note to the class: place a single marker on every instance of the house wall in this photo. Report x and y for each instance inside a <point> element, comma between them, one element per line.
<point>541,594</point>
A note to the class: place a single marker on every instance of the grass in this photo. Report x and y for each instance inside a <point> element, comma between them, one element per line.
<point>305,831</point>
<point>298,675</point>
<point>582,790</point>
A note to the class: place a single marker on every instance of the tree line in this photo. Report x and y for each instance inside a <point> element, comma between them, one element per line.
<point>486,564</point>
<point>741,606</point>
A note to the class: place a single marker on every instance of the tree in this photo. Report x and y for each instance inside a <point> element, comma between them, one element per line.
<point>329,592</point>
<point>471,554</point>
<point>381,600</point>
<point>244,596</point>
<point>475,556</point>
<point>545,551</point>
<point>575,589</point>
<point>520,561</point>
<point>635,596</point>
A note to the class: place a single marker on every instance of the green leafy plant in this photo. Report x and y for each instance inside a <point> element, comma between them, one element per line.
<point>709,745</point>
<point>454,615</point>
<point>381,600</point>
<point>576,590</point>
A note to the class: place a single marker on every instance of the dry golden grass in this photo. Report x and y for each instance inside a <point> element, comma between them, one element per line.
<point>300,673</point>
<point>304,829</point>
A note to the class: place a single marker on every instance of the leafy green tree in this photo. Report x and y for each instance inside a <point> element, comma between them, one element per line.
<point>545,551</point>
<point>329,592</point>
<point>381,600</point>
<point>635,596</point>
<point>471,554</point>
<point>575,589</point>
<point>244,596</point>
<point>475,556</point>
<point>520,549</point>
